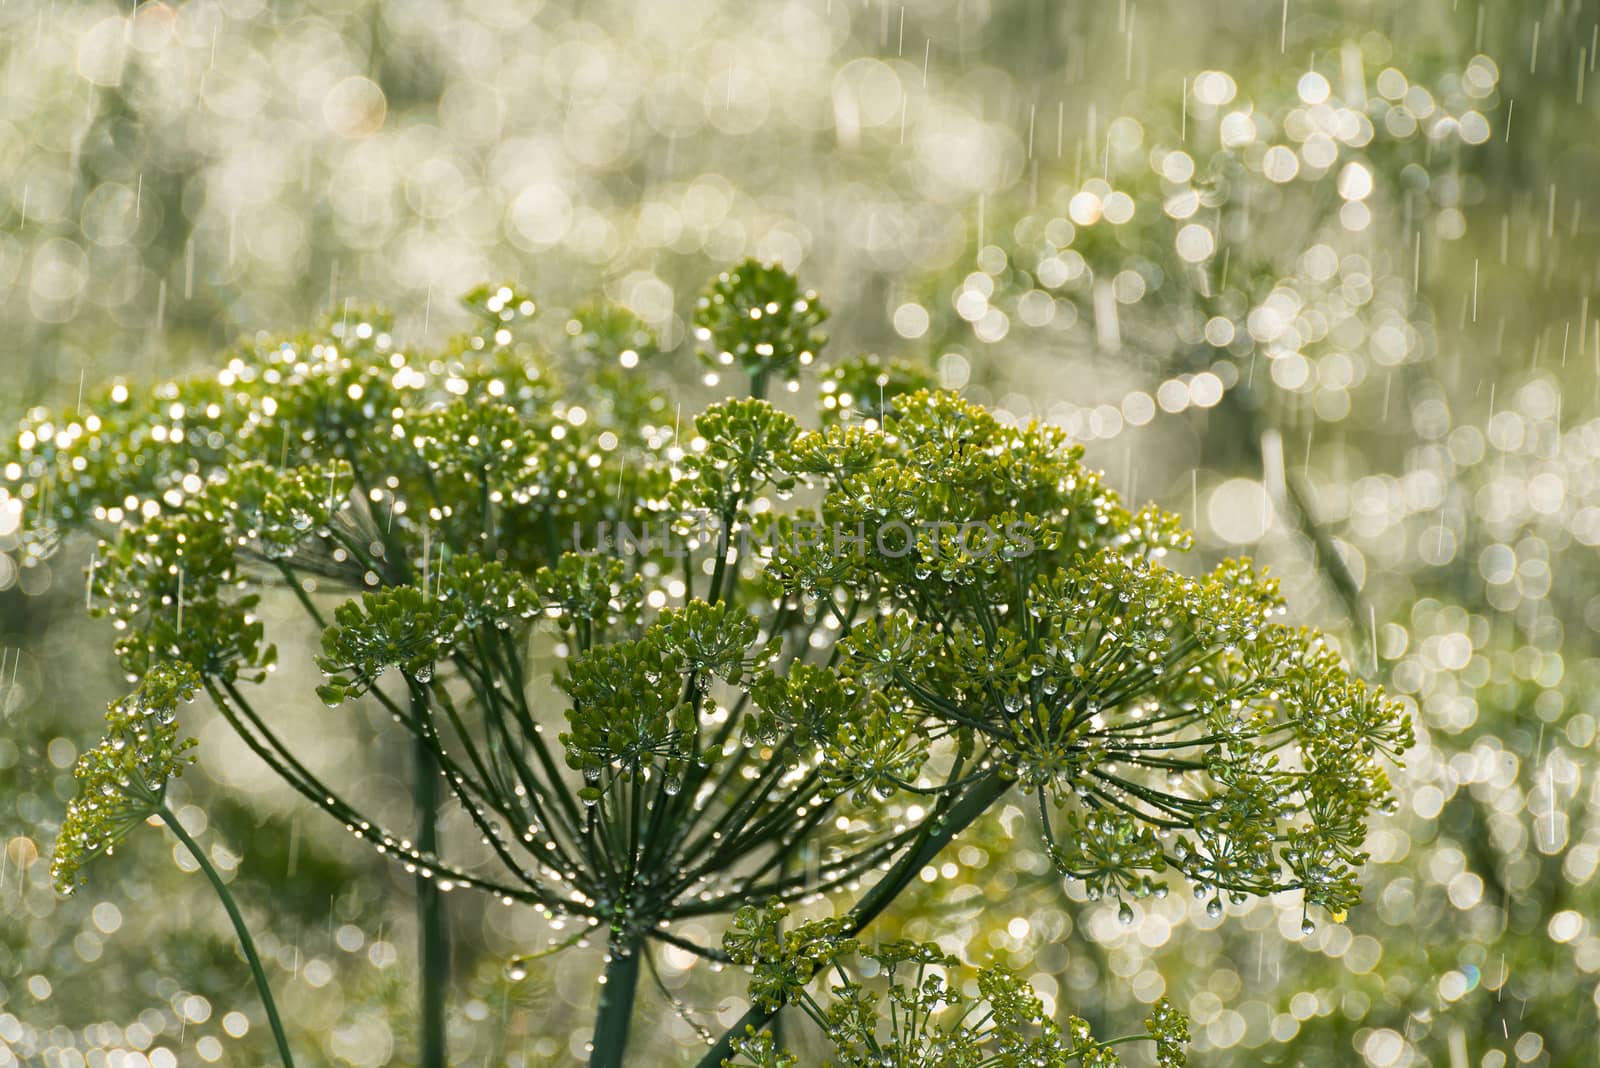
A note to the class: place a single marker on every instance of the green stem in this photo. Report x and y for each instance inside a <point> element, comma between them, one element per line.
<point>941,828</point>
<point>245,941</point>
<point>433,946</point>
<point>616,1005</point>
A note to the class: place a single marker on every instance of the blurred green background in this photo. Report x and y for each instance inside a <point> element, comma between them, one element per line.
<point>1318,275</point>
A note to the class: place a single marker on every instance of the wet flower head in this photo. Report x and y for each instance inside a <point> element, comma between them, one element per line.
<point>758,318</point>
<point>123,778</point>
<point>922,1009</point>
<point>857,630</point>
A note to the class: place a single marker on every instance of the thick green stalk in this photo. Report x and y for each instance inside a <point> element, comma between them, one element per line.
<point>433,943</point>
<point>974,802</point>
<point>616,1005</point>
<point>245,941</point>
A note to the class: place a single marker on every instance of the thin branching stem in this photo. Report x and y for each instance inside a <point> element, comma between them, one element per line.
<point>246,943</point>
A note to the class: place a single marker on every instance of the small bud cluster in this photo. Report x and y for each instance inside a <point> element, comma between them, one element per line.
<point>122,780</point>
<point>923,1009</point>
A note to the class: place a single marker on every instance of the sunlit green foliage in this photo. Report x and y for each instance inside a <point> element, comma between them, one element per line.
<point>122,780</point>
<point>921,1011</point>
<point>758,317</point>
<point>757,697</point>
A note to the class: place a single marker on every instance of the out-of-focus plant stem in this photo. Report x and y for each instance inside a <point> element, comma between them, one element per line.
<point>1293,495</point>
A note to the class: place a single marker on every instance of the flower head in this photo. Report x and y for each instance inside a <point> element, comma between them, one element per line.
<point>123,778</point>
<point>758,317</point>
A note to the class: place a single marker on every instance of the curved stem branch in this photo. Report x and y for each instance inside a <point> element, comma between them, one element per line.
<point>246,943</point>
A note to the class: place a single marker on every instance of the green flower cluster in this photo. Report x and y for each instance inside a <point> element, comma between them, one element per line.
<point>922,1009</point>
<point>123,779</point>
<point>960,611</point>
<point>1163,721</point>
<point>758,317</point>
<point>859,388</point>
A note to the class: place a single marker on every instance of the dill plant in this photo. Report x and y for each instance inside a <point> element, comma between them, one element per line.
<point>850,641</point>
